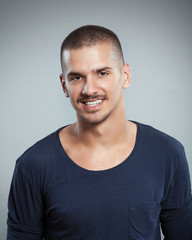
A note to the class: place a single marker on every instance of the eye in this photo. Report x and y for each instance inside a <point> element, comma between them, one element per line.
<point>75,78</point>
<point>103,73</point>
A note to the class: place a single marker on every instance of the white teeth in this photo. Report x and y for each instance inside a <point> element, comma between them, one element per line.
<point>94,103</point>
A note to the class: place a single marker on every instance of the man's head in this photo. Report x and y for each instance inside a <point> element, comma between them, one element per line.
<point>94,74</point>
<point>90,35</point>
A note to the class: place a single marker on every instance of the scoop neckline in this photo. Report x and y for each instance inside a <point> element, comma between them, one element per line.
<point>96,172</point>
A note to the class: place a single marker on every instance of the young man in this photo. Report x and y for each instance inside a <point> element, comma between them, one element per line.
<point>102,177</point>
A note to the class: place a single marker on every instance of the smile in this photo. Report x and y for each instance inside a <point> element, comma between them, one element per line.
<point>93,103</point>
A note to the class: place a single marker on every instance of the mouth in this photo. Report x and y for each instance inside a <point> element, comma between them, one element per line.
<point>93,103</point>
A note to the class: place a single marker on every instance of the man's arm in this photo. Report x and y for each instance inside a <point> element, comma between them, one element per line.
<point>176,214</point>
<point>177,223</point>
<point>24,208</point>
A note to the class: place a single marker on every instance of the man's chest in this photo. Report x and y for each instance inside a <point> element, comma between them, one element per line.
<point>95,201</point>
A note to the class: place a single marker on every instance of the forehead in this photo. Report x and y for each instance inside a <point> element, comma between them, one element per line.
<point>89,57</point>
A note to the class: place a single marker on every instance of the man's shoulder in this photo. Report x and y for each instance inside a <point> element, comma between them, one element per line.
<point>158,139</point>
<point>41,152</point>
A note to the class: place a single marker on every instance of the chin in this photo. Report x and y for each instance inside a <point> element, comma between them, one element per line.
<point>94,120</point>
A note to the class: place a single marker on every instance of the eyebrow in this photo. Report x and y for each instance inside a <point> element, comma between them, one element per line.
<point>102,69</point>
<point>74,74</point>
<point>96,71</point>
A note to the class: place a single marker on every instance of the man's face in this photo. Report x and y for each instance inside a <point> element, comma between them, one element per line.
<point>93,78</point>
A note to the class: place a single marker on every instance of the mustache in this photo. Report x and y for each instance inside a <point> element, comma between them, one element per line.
<point>93,97</point>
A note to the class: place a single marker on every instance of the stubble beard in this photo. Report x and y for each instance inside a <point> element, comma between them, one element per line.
<point>93,120</point>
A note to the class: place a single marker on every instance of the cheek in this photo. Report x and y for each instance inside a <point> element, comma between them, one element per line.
<point>74,91</point>
<point>114,86</point>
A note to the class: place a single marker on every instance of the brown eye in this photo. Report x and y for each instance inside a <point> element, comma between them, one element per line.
<point>103,73</point>
<point>75,78</point>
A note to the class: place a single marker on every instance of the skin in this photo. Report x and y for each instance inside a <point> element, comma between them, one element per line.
<point>91,74</point>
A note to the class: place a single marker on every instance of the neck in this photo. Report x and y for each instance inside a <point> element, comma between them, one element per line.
<point>111,131</point>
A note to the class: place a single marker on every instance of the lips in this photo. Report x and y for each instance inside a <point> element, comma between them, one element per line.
<point>93,103</point>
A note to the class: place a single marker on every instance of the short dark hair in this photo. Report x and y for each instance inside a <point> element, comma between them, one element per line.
<point>90,35</point>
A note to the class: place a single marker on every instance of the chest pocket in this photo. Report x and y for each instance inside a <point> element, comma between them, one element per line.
<point>143,220</point>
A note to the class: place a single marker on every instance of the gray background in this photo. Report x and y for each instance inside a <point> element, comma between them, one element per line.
<point>156,37</point>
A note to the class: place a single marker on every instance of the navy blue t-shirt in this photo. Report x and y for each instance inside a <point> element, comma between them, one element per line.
<point>53,198</point>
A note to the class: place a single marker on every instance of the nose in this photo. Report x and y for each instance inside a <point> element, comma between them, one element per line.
<point>90,87</point>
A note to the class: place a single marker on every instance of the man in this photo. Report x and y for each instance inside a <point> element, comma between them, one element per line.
<point>103,177</point>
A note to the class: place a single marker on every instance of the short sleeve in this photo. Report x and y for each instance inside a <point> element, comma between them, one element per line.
<point>176,209</point>
<point>25,208</point>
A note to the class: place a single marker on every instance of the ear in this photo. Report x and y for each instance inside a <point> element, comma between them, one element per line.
<point>63,84</point>
<point>126,75</point>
